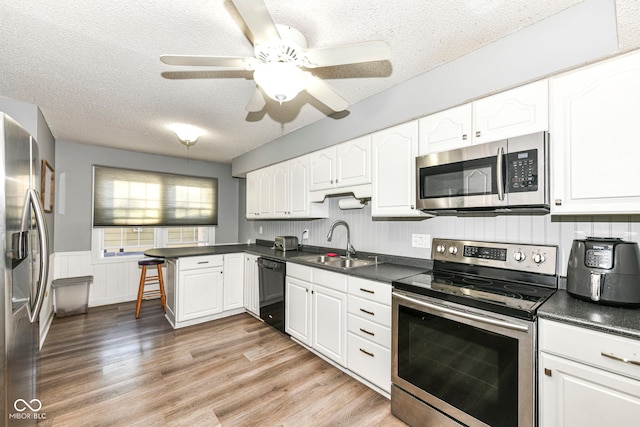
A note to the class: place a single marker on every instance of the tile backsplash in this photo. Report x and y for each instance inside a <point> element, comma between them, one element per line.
<point>394,237</point>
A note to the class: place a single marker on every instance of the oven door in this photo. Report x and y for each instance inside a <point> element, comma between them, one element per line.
<point>470,177</point>
<point>476,367</point>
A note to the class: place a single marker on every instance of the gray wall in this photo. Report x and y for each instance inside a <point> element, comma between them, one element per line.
<point>580,34</point>
<point>74,188</point>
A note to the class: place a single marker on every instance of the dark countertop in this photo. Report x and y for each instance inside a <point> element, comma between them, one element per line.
<point>563,307</point>
<point>387,272</point>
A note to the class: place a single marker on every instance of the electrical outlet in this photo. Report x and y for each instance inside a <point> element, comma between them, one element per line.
<point>421,241</point>
<point>305,234</point>
<point>260,230</point>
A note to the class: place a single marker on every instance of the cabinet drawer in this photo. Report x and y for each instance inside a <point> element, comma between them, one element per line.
<point>299,271</point>
<point>370,361</point>
<point>371,290</point>
<point>191,262</point>
<point>595,348</point>
<point>330,279</point>
<point>369,330</point>
<point>369,310</point>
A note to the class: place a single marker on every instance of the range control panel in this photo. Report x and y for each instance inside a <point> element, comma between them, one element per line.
<point>541,259</point>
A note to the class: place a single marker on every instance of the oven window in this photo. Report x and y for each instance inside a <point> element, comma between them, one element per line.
<point>468,178</point>
<point>470,368</point>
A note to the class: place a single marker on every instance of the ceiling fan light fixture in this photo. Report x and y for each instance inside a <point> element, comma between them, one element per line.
<point>280,81</point>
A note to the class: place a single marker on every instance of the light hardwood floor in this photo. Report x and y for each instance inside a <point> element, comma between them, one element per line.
<point>106,368</point>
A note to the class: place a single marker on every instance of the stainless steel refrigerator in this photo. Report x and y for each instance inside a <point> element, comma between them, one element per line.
<point>25,256</point>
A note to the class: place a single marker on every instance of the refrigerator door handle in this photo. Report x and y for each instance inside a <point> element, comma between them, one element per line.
<point>43,236</point>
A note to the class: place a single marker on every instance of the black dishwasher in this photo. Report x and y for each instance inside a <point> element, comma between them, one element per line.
<point>271,275</point>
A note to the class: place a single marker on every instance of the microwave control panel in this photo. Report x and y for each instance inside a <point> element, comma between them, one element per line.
<point>522,171</point>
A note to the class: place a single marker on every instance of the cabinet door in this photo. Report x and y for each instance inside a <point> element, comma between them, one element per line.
<point>594,138</point>
<point>353,162</point>
<point>576,395</point>
<point>515,112</point>
<point>298,310</point>
<point>394,171</point>
<point>233,281</point>
<point>329,312</point>
<point>251,292</point>
<point>446,130</point>
<point>265,186</point>
<point>200,293</point>
<point>280,189</point>
<point>253,194</point>
<point>299,187</point>
<point>322,165</point>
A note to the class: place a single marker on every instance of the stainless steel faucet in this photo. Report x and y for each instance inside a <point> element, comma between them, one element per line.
<point>350,250</point>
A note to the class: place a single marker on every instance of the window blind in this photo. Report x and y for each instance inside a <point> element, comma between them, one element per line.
<point>126,197</point>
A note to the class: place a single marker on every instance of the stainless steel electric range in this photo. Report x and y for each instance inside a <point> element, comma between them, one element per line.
<point>464,334</point>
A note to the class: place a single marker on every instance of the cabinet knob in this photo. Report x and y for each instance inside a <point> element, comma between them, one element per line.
<point>477,134</point>
<point>413,207</point>
<point>464,136</point>
<point>548,372</point>
<point>558,202</point>
<point>331,182</point>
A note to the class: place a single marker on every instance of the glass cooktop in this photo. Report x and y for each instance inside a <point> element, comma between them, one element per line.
<point>500,296</point>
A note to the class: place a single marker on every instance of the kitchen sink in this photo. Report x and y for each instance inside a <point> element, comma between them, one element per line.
<point>337,262</point>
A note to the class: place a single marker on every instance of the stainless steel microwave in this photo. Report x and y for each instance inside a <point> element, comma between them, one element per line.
<point>507,176</point>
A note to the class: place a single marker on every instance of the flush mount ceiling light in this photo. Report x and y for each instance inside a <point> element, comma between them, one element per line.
<point>187,134</point>
<point>281,58</point>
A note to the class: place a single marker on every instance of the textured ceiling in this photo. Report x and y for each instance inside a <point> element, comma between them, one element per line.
<point>93,67</point>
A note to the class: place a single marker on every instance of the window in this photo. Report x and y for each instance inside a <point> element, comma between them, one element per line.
<point>125,197</point>
<point>127,241</point>
<point>115,243</point>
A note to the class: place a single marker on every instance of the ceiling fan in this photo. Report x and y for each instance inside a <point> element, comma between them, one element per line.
<point>281,58</point>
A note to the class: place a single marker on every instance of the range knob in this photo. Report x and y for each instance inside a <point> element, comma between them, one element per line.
<point>440,248</point>
<point>519,256</point>
<point>538,258</point>
<point>453,250</point>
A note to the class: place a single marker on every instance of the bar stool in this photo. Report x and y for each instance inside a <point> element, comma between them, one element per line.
<point>151,280</point>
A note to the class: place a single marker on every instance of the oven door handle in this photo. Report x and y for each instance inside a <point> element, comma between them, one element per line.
<point>469,316</point>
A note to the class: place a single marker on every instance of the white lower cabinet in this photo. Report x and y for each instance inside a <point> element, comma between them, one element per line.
<point>329,308</point>
<point>298,309</point>
<point>199,290</point>
<point>203,288</point>
<point>589,384</point>
<point>251,294</point>
<point>369,326</point>
<point>343,318</point>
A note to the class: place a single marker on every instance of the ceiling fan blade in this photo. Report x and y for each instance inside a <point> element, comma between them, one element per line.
<point>256,103</point>
<point>258,20</point>
<point>348,54</point>
<point>320,90</point>
<point>240,62</point>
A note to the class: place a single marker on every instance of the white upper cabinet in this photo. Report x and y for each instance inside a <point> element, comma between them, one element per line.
<point>344,165</point>
<point>446,130</point>
<point>394,171</point>
<point>282,191</point>
<point>353,162</point>
<point>253,195</point>
<point>515,112</point>
<point>595,125</point>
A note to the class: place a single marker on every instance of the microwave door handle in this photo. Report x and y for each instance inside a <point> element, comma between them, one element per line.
<point>499,173</point>
<point>43,236</point>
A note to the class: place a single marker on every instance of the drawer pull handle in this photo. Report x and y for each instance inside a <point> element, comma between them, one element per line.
<point>367,291</point>
<point>367,332</point>
<point>367,353</point>
<point>203,262</point>
<point>620,358</point>
<point>367,312</point>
